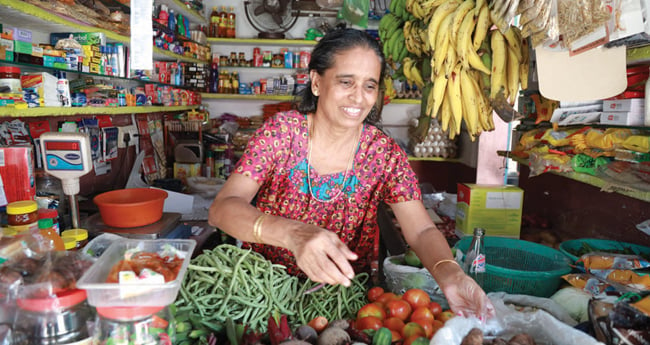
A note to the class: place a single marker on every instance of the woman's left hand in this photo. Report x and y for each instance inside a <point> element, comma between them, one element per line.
<point>466,298</point>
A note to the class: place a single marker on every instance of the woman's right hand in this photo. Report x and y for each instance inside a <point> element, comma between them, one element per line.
<point>321,255</point>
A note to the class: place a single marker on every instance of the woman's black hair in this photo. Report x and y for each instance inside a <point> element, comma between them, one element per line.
<point>334,43</point>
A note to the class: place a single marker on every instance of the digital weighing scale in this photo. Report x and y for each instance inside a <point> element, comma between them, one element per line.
<point>169,226</point>
<point>67,156</point>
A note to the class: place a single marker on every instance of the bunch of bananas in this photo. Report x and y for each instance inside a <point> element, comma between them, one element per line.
<point>412,72</point>
<point>391,34</point>
<point>415,38</point>
<point>467,72</point>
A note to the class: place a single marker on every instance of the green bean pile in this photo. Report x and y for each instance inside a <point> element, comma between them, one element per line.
<point>332,301</point>
<point>230,282</point>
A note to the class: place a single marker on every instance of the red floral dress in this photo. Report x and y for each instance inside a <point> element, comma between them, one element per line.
<point>276,158</point>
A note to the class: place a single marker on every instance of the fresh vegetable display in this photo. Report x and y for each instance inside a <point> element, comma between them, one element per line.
<point>229,282</point>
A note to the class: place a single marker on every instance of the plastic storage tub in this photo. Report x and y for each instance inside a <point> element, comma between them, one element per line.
<point>102,294</point>
<point>520,267</point>
<point>570,247</point>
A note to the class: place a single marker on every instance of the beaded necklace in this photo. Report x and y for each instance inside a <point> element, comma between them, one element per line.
<point>345,175</point>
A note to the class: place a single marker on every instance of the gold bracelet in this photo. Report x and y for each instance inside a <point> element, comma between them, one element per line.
<point>433,270</point>
<point>257,228</point>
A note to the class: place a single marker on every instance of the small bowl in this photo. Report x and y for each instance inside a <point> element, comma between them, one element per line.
<point>130,208</point>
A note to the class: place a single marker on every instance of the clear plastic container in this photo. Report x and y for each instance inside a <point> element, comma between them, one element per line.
<point>134,325</point>
<point>102,294</point>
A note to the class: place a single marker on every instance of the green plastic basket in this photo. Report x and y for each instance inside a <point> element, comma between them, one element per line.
<point>520,267</point>
<point>571,246</point>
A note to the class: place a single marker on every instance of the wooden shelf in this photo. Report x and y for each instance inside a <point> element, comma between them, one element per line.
<point>248,97</point>
<point>73,111</point>
<point>434,159</point>
<point>405,101</point>
<point>260,41</point>
<point>590,180</point>
<point>21,14</point>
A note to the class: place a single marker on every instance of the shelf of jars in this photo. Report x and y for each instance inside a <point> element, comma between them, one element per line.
<point>73,111</point>
<point>590,180</point>
<point>21,14</point>
<point>260,41</point>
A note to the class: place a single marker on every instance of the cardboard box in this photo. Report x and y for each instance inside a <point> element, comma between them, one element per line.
<point>84,38</point>
<point>622,118</point>
<point>17,172</point>
<point>39,89</point>
<point>629,104</point>
<point>495,208</point>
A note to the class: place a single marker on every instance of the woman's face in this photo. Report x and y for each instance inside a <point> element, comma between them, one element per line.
<point>348,90</point>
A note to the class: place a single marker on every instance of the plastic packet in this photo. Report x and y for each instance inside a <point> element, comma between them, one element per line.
<point>604,261</point>
<point>356,12</point>
<point>586,164</point>
<point>578,18</point>
<point>542,326</point>
<point>589,283</point>
<point>540,163</point>
<point>629,320</point>
<point>629,278</point>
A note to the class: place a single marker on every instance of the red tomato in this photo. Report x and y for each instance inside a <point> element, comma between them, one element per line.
<point>435,308</point>
<point>368,322</point>
<point>411,339</point>
<point>413,328</point>
<point>422,313</point>
<point>437,324</point>
<point>427,325</point>
<point>395,336</point>
<point>400,309</point>
<point>319,323</point>
<point>387,296</point>
<point>445,315</point>
<point>374,293</point>
<point>371,309</point>
<point>394,324</point>
<point>416,298</point>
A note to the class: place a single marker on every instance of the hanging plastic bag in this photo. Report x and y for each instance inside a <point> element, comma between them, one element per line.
<point>330,4</point>
<point>356,12</point>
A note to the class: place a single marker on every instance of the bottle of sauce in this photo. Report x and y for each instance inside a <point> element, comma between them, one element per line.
<point>475,258</point>
<point>214,22</point>
<point>235,82</point>
<point>22,214</point>
<point>46,229</point>
<point>223,23</point>
<point>231,23</point>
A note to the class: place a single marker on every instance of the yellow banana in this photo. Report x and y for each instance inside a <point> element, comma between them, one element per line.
<point>454,97</point>
<point>470,102</point>
<point>482,26</point>
<point>472,59</point>
<point>499,58</point>
<point>464,36</point>
<point>417,76</point>
<point>479,5</point>
<point>446,117</point>
<point>450,60</point>
<point>459,15</point>
<point>484,108</point>
<point>439,14</point>
<point>525,64</point>
<point>513,38</point>
<point>442,44</point>
<point>512,76</point>
<point>438,92</point>
<point>406,67</point>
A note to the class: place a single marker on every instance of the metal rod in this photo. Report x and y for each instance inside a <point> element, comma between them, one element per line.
<point>74,210</point>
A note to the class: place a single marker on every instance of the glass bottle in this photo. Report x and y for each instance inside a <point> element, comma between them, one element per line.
<point>475,259</point>
<point>223,23</point>
<point>214,22</point>
<point>230,33</point>
<point>46,229</point>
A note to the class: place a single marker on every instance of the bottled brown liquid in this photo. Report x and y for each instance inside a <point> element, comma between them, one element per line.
<point>231,23</point>
<point>214,22</point>
<point>223,23</point>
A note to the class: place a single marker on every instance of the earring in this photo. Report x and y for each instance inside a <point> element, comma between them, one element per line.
<point>315,92</point>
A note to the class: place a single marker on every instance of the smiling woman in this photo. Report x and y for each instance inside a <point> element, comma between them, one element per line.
<point>319,174</point>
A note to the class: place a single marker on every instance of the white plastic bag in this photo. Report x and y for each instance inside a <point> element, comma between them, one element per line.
<point>542,326</point>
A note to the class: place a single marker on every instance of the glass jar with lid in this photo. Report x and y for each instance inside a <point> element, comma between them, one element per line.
<point>79,235</point>
<point>22,213</point>
<point>134,325</point>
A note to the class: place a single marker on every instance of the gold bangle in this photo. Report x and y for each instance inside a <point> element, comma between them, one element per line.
<point>257,228</point>
<point>433,270</point>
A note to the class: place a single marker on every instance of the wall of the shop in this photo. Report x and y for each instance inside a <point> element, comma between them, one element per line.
<point>577,210</point>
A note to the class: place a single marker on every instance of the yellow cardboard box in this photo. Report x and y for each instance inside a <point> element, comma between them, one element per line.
<point>495,208</point>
